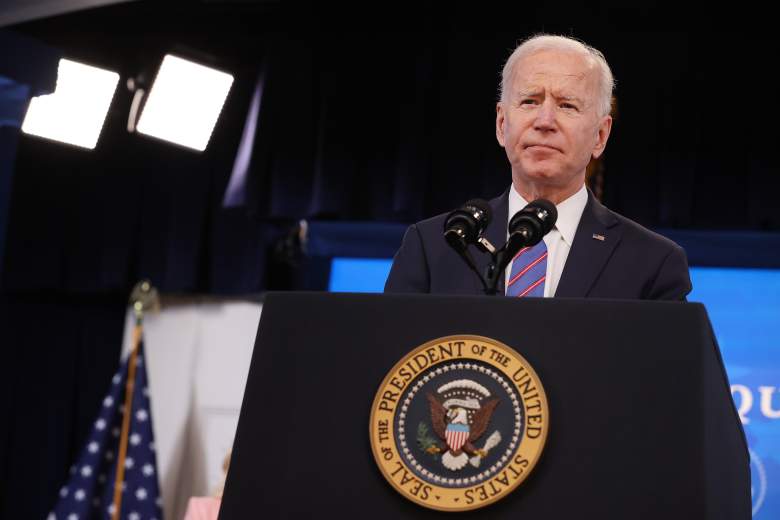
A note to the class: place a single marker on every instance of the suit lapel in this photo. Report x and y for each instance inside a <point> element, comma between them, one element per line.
<point>496,234</point>
<point>589,253</point>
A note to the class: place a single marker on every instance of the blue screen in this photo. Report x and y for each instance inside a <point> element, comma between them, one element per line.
<point>744,307</point>
<point>358,274</point>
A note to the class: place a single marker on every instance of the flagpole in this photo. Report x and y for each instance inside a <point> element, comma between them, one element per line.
<point>142,298</point>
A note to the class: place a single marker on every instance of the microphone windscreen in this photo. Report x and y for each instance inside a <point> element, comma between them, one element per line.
<point>483,206</point>
<point>465,225</point>
<point>549,220</point>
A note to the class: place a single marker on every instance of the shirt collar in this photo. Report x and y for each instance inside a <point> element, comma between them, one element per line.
<point>569,211</point>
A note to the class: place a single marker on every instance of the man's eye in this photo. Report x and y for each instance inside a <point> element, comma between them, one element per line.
<point>568,106</point>
<point>527,101</point>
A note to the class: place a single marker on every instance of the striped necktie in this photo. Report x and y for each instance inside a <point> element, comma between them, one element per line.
<point>529,269</point>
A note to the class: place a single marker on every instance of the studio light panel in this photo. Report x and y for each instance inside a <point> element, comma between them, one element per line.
<point>77,109</point>
<point>184,103</point>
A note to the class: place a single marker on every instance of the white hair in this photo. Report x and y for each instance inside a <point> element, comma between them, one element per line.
<point>545,42</point>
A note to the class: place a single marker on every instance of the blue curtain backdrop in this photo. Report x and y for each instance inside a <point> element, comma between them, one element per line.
<point>365,123</point>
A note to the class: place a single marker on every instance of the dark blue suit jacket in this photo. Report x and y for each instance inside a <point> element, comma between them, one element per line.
<point>631,262</point>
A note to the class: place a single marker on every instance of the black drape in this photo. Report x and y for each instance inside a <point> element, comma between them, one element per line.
<point>59,356</point>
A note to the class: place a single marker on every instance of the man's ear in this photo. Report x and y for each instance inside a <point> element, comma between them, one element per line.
<point>500,123</point>
<point>603,135</point>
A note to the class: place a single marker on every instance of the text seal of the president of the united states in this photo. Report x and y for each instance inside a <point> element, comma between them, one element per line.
<point>459,423</point>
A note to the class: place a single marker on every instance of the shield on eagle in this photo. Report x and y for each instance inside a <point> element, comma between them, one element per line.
<point>457,435</point>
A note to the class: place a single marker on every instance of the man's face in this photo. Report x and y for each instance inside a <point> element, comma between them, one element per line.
<point>549,122</point>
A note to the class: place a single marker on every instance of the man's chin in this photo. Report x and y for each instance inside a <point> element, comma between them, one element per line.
<point>549,176</point>
<point>545,179</point>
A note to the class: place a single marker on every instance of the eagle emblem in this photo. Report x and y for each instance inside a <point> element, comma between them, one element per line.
<point>449,427</point>
<point>460,415</point>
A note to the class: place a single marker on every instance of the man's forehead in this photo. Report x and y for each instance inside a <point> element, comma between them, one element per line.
<point>565,77</point>
<point>562,67</point>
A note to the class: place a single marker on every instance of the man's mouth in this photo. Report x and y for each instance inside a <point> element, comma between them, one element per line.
<point>540,146</point>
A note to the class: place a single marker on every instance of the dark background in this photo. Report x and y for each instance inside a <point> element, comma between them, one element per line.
<point>380,113</point>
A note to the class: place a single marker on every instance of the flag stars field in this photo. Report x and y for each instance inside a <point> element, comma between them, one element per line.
<point>89,492</point>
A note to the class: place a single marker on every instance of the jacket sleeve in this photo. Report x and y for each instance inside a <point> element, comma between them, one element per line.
<point>673,281</point>
<point>409,273</point>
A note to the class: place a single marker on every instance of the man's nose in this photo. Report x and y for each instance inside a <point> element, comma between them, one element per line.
<point>545,117</point>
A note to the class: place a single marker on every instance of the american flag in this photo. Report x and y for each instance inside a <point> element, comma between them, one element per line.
<point>89,492</point>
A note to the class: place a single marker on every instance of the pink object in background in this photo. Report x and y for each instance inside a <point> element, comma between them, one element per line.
<point>202,508</point>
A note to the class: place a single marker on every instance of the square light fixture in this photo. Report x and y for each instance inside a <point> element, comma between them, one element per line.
<point>184,103</point>
<point>77,109</point>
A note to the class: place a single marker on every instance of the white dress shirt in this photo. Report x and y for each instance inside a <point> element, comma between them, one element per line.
<point>559,239</point>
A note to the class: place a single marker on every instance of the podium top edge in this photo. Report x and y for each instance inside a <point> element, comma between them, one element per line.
<point>271,296</point>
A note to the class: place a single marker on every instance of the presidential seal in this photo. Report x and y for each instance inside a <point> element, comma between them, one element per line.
<point>459,423</point>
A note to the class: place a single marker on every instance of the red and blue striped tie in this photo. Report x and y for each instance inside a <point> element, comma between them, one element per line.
<point>529,269</point>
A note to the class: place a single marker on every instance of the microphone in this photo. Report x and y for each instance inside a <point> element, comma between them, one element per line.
<point>466,224</point>
<point>529,225</point>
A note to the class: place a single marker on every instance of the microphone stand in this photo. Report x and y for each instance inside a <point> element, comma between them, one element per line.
<point>500,258</point>
<point>526,228</point>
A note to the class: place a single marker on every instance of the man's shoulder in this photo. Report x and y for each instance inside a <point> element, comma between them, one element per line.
<point>433,224</point>
<point>636,234</point>
<point>642,263</point>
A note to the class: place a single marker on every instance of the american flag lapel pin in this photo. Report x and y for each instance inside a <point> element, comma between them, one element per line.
<point>598,237</point>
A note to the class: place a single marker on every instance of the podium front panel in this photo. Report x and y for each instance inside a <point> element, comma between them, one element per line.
<point>641,419</point>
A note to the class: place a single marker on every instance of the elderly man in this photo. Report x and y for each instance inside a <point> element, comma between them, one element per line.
<point>552,118</point>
